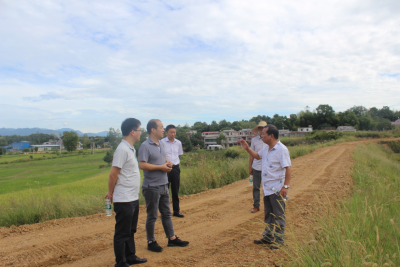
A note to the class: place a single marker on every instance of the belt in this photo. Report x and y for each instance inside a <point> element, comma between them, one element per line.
<point>175,166</point>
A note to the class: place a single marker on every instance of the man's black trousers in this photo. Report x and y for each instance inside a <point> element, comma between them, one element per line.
<point>174,178</point>
<point>126,220</point>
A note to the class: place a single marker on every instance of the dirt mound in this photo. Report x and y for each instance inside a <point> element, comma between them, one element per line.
<point>218,223</point>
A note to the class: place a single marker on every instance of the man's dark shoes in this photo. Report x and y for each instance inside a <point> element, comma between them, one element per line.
<point>263,241</point>
<point>153,246</point>
<point>177,242</point>
<point>178,214</point>
<point>275,245</point>
<point>136,260</point>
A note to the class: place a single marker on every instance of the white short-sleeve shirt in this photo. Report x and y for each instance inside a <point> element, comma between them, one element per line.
<point>256,145</point>
<point>273,167</point>
<point>128,183</point>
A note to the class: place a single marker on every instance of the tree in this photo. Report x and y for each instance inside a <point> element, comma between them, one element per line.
<point>224,125</point>
<point>200,126</point>
<point>109,157</point>
<point>70,140</point>
<point>220,138</point>
<point>325,115</point>
<point>187,145</point>
<point>2,151</point>
<point>384,125</point>
<point>114,137</point>
<point>214,126</point>
<point>359,110</point>
<point>196,139</point>
<point>85,141</point>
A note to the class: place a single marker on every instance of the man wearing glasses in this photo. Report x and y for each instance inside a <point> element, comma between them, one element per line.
<point>123,191</point>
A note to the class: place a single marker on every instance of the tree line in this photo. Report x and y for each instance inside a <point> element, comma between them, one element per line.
<point>360,117</point>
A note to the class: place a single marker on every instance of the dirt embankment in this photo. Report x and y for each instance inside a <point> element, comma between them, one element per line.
<point>218,223</point>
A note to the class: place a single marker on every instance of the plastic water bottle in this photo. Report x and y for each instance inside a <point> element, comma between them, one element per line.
<point>278,193</point>
<point>108,207</point>
<point>251,179</point>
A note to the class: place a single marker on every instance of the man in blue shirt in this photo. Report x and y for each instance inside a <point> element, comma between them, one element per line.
<point>276,174</point>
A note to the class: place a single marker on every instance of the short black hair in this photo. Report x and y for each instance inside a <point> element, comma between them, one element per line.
<point>152,124</point>
<point>272,130</point>
<point>128,125</point>
<point>171,126</point>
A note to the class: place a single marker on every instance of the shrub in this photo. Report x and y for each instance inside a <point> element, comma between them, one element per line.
<point>394,145</point>
<point>324,135</point>
<point>229,153</point>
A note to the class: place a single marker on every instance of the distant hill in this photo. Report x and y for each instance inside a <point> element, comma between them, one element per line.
<point>28,131</point>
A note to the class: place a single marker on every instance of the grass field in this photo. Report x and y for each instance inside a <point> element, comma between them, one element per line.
<point>40,190</point>
<point>363,230</point>
<point>53,170</point>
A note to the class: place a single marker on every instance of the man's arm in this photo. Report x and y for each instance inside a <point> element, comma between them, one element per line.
<point>249,150</point>
<point>288,175</point>
<point>112,179</point>
<point>151,167</point>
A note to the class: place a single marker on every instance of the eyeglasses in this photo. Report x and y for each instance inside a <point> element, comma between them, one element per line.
<point>137,130</point>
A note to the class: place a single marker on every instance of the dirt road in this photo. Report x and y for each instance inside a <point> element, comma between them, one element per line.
<point>218,224</point>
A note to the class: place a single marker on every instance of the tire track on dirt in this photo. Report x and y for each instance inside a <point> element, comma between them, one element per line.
<point>218,223</point>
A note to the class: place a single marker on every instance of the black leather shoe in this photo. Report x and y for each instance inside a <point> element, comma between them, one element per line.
<point>136,260</point>
<point>178,214</point>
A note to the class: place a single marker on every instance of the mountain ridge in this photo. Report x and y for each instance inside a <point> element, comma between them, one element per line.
<point>28,131</point>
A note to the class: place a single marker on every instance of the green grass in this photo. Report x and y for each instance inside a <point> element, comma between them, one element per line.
<point>37,191</point>
<point>363,230</point>
<point>74,193</point>
<point>60,170</point>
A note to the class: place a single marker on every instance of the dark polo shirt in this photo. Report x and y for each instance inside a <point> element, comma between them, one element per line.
<point>151,153</point>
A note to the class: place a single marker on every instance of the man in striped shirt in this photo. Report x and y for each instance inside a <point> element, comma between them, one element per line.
<point>173,151</point>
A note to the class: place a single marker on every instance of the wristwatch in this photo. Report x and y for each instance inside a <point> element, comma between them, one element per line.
<point>286,186</point>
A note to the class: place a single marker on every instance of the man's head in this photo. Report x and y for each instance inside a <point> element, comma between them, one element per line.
<point>259,127</point>
<point>131,127</point>
<point>155,129</point>
<point>270,134</point>
<point>170,130</point>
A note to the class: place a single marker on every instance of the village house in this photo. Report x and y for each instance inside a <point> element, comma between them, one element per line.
<point>346,129</point>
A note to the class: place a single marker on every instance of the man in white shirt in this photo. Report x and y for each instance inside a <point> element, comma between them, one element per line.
<point>276,174</point>
<point>173,151</point>
<point>123,191</point>
<point>257,144</point>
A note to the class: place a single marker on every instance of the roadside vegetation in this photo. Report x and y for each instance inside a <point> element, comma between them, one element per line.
<point>40,190</point>
<point>363,230</point>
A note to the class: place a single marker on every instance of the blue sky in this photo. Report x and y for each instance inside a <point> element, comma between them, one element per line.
<point>88,65</point>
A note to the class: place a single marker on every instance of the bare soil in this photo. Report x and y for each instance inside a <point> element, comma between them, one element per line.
<point>218,223</point>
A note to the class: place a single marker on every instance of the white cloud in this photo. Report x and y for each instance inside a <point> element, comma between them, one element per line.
<point>93,63</point>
